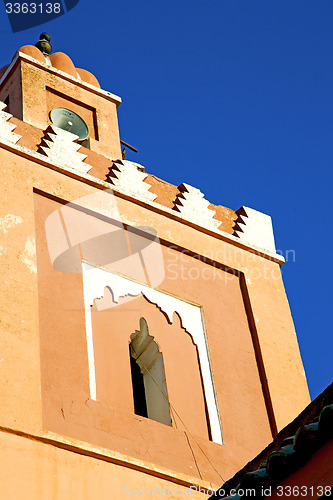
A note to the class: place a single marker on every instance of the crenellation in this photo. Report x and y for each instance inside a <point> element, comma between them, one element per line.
<point>129,178</point>
<point>60,146</point>
<point>193,206</point>
<point>255,228</point>
<point>6,128</point>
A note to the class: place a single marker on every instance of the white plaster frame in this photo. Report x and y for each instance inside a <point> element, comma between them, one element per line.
<point>95,279</point>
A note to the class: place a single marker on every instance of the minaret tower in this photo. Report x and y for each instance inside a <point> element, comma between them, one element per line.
<point>147,341</point>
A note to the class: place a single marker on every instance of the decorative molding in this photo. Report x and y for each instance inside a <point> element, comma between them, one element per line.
<point>109,456</point>
<point>60,146</point>
<point>129,178</point>
<point>95,279</point>
<point>185,206</point>
<point>191,204</point>
<point>6,128</point>
<point>50,69</point>
<point>42,159</point>
<point>255,228</point>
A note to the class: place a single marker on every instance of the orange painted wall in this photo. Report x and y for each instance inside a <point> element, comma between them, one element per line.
<point>12,88</point>
<point>64,365</point>
<point>112,330</point>
<point>44,327</point>
<point>34,92</point>
<point>36,470</point>
<point>257,370</point>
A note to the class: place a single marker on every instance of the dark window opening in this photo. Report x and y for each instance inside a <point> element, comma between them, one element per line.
<point>139,396</point>
<point>150,392</point>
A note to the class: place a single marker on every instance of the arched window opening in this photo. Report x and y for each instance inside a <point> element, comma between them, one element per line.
<point>150,392</point>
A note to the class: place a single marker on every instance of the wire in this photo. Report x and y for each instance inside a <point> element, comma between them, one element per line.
<point>175,411</point>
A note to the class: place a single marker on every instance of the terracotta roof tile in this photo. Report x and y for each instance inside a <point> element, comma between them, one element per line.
<point>285,454</point>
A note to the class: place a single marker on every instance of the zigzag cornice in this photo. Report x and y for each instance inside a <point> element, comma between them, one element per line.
<point>192,205</point>
<point>6,127</point>
<point>95,181</point>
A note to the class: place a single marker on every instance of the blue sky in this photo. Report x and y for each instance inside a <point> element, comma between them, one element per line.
<point>233,97</point>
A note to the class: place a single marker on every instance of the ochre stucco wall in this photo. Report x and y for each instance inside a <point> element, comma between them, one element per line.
<point>42,324</point>
<point>114,425</point>
<point>112,333</point>
<point>35,470</point>
<point>12,88</point>
<point>55,438</point>
<point>29,84</point>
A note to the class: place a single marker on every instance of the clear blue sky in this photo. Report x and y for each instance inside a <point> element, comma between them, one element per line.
<point>233,97</point>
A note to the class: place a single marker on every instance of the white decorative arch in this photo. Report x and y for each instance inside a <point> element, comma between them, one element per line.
<point>95,279</point>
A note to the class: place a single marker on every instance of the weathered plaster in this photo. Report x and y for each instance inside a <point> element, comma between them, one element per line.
<point>9,221</point>
<point>58,161</point>
<point>60,146</point>
<point>192,205</point>
<point>28,256</point>
<point>255,228</point>
<point>128,178</point>
<point>66,76</point>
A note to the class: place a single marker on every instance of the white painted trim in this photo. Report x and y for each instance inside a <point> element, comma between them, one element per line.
<point>130,179</point>
<point>90,350</point>
<point>61,146</point>
<point>95,279</point>
<point>193,206</point>
<point>33,155</point>
<point>6,127</point>
<point>254,226</point>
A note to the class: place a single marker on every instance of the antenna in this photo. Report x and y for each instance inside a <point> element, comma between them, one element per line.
<point>71,122</point>
<point>123,152</point>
